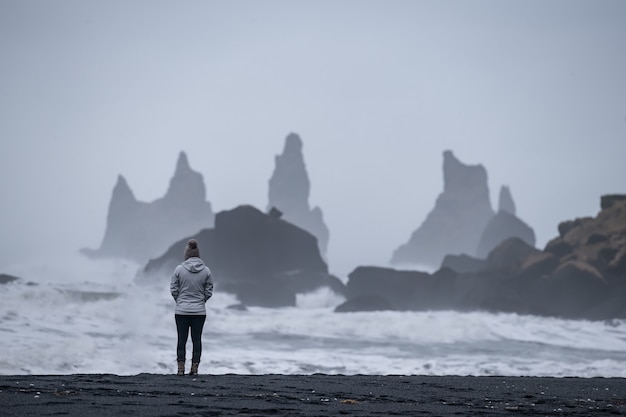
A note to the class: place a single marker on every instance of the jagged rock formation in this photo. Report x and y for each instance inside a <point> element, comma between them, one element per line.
<point>505,224</point>
<point>456,223</point>
<point>289,189</point>
<point>598,241</point>
<point>581,274</point>
<point>262,259</point>
<point>140,231</point>
<point>505,200</point>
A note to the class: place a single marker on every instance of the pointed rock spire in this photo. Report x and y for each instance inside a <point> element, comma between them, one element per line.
<point>293,145</point>
<point>121,190</point>
<point>182,165</point>
<point>186,184</point>
<point>289,186</point>
<point>289,189</point>
<point>504,225</point>
<point>506,202</point>
<point>122,201</point>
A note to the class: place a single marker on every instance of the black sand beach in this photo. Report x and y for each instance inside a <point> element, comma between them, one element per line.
<point>308,395</point>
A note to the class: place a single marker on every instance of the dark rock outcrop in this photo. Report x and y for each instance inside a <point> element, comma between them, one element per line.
<point>403,290</point>
<point>397,286</point>
<point>570,290</point>
<point>599,241</point>
<point>139,230</point>
<point>579,275</point>
<point>606,201</point>
<point>505,224</point>
<point>263,259</point>
<point>5,278</point>
<point>463,263</point>
<point>456,223</point>
<point>509,256</point>
<point>289,189</point>
<point>538,265</point>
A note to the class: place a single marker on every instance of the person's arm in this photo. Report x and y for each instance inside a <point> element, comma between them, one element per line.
<point>175,284</point>
<point>208,287</point>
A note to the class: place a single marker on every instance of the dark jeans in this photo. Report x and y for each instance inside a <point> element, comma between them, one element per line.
<point>183,323</point>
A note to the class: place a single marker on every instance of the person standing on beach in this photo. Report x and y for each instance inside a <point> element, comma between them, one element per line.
<point>191,286</point>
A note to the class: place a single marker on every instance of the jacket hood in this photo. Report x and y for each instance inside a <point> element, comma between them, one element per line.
<point>193,264</point>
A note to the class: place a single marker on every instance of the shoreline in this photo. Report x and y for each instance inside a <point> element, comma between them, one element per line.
<point>308,395</point>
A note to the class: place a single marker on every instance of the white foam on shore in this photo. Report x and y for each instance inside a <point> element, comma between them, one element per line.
<point>86,316</point>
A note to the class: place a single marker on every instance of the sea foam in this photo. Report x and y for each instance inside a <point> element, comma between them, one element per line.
<point>86,316</point>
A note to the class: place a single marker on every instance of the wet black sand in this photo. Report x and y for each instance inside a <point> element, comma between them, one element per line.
<point>308,395</point>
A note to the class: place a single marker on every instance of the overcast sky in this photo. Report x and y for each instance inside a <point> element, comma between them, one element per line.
<point>533,90</point>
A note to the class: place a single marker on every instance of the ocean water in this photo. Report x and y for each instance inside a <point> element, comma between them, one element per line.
<point>84,316</point>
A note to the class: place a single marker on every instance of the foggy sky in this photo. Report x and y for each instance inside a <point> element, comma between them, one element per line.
<point>533,90</point>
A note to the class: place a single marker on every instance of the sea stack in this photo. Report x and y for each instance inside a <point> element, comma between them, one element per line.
<point>504,225</point>
<point>258,257</point>
<point>289,189</point>
<point>505,200</point>
<point>457,221</point>
<point>140,231</point>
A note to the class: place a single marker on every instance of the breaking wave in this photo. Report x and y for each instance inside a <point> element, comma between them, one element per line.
<point>85,316</point>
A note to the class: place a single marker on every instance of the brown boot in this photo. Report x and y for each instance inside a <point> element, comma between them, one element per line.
<point>194,368</point>
<point>181,368</point>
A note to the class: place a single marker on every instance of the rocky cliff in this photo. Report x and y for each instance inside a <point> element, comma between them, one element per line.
<point>581,274</point>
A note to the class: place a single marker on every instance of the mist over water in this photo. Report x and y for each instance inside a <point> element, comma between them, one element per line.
<point>85,316</point>
<point>376,89</point>
<point>534,91</point>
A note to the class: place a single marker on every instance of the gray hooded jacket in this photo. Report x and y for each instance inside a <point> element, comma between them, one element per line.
<point>191,287</point>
